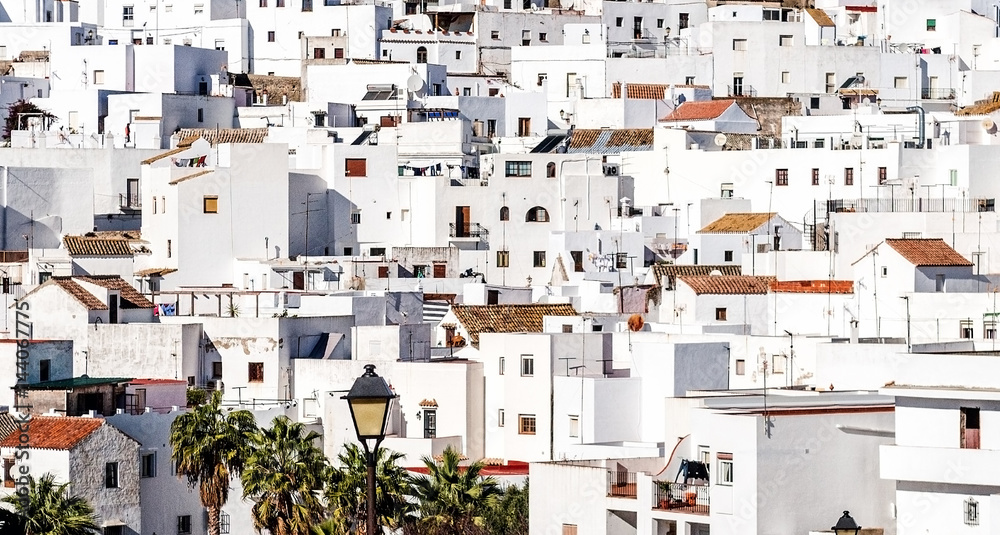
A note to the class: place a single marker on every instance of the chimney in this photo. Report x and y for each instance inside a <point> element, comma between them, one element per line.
<point>854,331</point>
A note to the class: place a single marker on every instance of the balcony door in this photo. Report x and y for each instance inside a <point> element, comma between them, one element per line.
<point>463,224</point>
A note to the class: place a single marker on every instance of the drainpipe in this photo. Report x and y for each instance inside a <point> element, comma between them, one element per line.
<point>922,128</point>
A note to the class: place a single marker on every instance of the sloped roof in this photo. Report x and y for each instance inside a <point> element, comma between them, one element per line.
<point>187,136</point>
<point>727,284</point>
<point>699,110</point>
<point>813,287</point>
<point>928,252</point>
<point>640,91</point>
<point>130,297</point>
<point>151,272</point>
<point>77,382</point>
<point>184,178</point>
<point>525,318</point>
<point>163,155</point>
<point>96,246</point>
<point>673,270</point>
<point>7,425</point>
<point>56,432</point>
<point>76,291</point>
<point>820,17</point>
<point>608,141</point>
<point>738,222</point>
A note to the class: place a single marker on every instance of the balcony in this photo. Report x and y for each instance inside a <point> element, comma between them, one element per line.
<point>467,230</point>
<point>939,465</point>
<point>741,90</point>
<point>129,201</point>
<point>908,204</point>
<point>621,484</point>
<point>946,93</point>
<point>681,498</point>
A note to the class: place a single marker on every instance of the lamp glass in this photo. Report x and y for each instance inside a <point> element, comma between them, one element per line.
<point>369,416</point>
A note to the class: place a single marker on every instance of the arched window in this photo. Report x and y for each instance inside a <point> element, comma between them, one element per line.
<point>550,170</point>
<point>422,55</point>
<point>537,215</point>
<point>504,214</point>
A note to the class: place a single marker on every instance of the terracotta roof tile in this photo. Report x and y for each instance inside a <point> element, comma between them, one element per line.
<point>96,246</point>
<point>632,137</point>
<point>737,223</point>
<point>7,425</point>
<point>671,271</point>
<point>813,287</point>
<point>507,318</point>
<point>928,252</point>
<point>214,136</point>
<point>640,91</point>
<point>610,141</point>
<point>71,287</point>
<point>820,17</point>
<point>727,284</point>
<point>701,110</point>
<point>131,298</point>
<point>184,178</point>
<point>163,155</point>
<point>56,432</point>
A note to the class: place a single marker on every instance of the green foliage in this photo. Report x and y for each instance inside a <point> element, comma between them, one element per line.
<point>346,491</point>
<point>453,500</point>
<point>209,448</point>
<point>509,514</point>
<point>15,111</point>
<point>282,476</point>
<point>195,397</point>
<point>50,510</point>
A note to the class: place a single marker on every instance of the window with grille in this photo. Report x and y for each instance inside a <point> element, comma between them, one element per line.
<point>526,424</point>
<point>849,176</point>
<point>224,523</point>
<point>527,366</point>
<point>740,45</point>
<point>517,168</point>
<point>971,512</point>
<point>255,372</point>
<point>503,259</point>
<point>538,259</point>
<point>815,177</point>
<point>883,175</point>
<point>183,525</point>
<point>356,218</point>
<point>781,177</point>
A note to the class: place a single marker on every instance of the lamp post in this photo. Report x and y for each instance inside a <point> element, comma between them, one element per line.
<point>846,525</point>
<point>369,400</point>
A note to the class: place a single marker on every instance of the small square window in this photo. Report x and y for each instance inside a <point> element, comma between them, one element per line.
<point>727,256</point>
<point>527,366</point>
<point>495,35</point>
<point>542,36</point>
<point>458,54</point>
<point>781,177</point>
<point>932,25</point>
<point>210,204</point>
<point>740,45</point>
<point>619,21</point>
<point>538,259</point>
<point>270,34</point>
<point>98,77</point>
<point>255,372</point>
<point>786,77</point>
<point>741,367</point>
<point>526,424</point>
<point>815,177</point>
<point>184,525</point>
<point>720,314</point>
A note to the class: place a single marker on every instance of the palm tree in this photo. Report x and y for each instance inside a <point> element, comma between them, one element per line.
<point>509,513</point>
<point>453,499</point>
<point>282,476</point>
<point>51,510</point>
<point>347,490</point>
<point>209,448</point>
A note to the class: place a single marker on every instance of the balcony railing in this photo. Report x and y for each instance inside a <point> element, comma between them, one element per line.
<point>130,201</point>
<point>468,230</point>
<point>621,484</point>
<point>946,93</point>
<point>908,204</point>
<point>681,498</point>
<point>744,90</point>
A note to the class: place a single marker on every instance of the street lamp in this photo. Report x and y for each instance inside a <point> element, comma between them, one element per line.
<point>369,400</point>
<point>846,525</point>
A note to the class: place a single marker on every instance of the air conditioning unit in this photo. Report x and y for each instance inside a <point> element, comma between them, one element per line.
<point>610,169</point>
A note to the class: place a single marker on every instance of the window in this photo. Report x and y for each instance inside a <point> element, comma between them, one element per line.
<point>831,82</point>
<point>815,177</point>
<point>355,167</point>
<point>965,329</point>
<point>818,143</point>
<point>220,44</point>
<point>98,77</point>
<point>621,260</point>
<point>726,190</point>
<point>569,529</point>
<point>420,271</point>
<point>111,475</point>
<point>8,469</point>
<point>537,215</point>
<point>495,35</point>
<point>170,248</point>
<point>577,257</point>
<point>538,259</point>
<point>44,367</point>
<point>683,19</point>
<point>737,89</point>
<point>689,80</point>
<point>338,53</point>
<point>741,367</point>
<point>527,366</point>
<point>849,176</point>
<point>786,77</point>
<point>263,3</point>
<point>813,103</point>
<point>201,115</point>
<point>458,54</point>
<point>502,365</point>
<point>422,54</point>
<point>574,426</point>
<point>778,363</point>
<point>542,77</point>
<point>901,82</point>
<point>504,213</point>
<point>781,177</point>
<point>969,428</point>
<point>217,369</point>
<point>785,40</point>
<point>523,126</point>
<point>971,512</point>
<point>430,423</point>
<point>772,14</point>
<point>270,34</point>
<point>720,314</point>
<point>525,37</point>
<point>503,259</point>
<point>210,204</point>
<point>953,176</point>
<point>319,53</point>
<point>128,15</point>
<point>543,37</point>
<point>501,418</point>
<point>147,465</point>
<point>526,424</point>
<point>727,256</point>
<point>659,23</point>
<point>184,525</point>
<point>571,81</point>
<point>518,169</point>
<point>255,372</point>
<point>280,3</point>
<point>619,21</point>
<point>199,9</point>
<point>740,45</point>
<point>725,469</point>
<point>932,25</point>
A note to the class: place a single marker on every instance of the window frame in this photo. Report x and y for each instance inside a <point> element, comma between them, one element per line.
<point>355,167</point>
<point>527,424</point>
<point>538,259</point>
<point>517,168</point>
<point>527,365</point>
<point>210,204</point>
<point>781,177</point>
<point>112,478</point>
<point>725,470</point>
<point>255,372</point>
<point>147,469</point>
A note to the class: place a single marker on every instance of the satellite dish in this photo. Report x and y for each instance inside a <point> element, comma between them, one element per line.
<point>720,140</point>
<point>715,273</point>
<point>635,323</point>
<point>989,125</point>
<point>414,83</point>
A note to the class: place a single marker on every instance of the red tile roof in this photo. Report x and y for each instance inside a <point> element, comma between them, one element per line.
<point>131,298</point>
<point>727,284</point>
<point>813,287</point>
<point>96,246</point>
<point>55,432</point>
<point>700,110</point>
<point>738,222</point>
<point>74,289</point>
<point>640,91</point>
<point>928,252</point>
<point>507,318</point>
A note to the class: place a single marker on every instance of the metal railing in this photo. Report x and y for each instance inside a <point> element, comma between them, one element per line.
<point>682,498</point>
<point>908,204</point>
<point>468,230</point>
<point>946,93</point>
<point>744,90</point>
<point>621,484</point>
<point>130,200</point>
